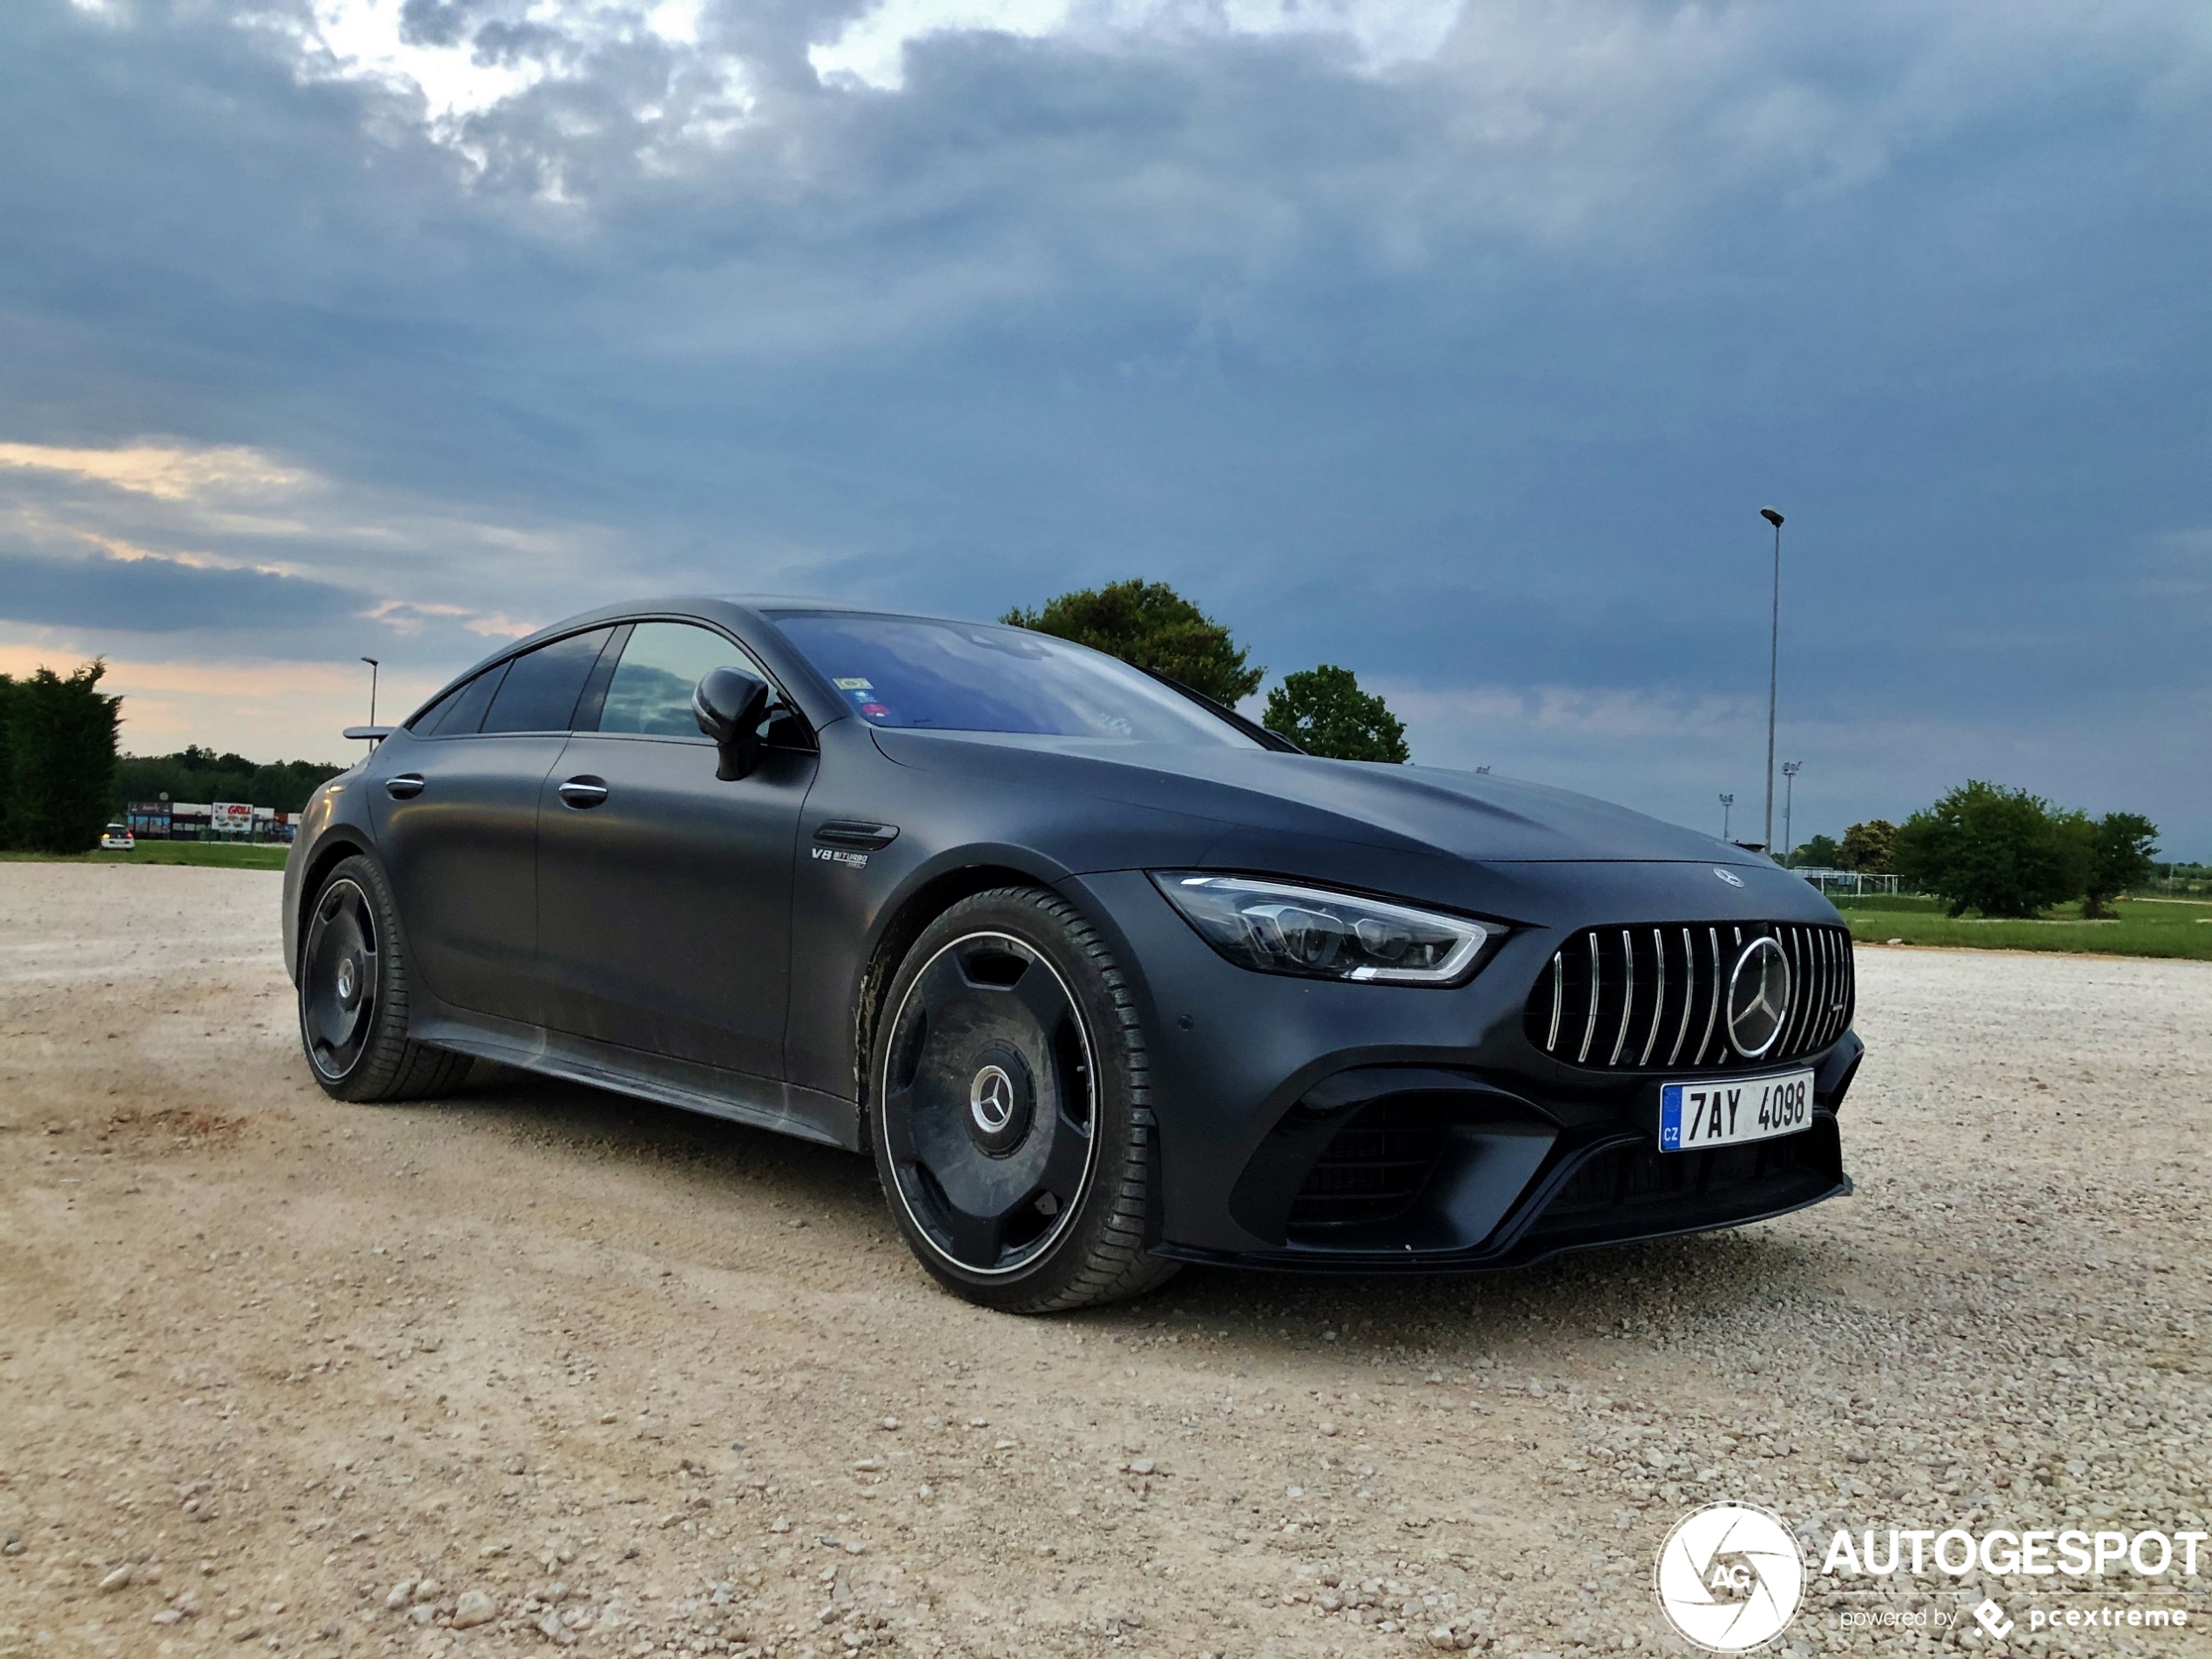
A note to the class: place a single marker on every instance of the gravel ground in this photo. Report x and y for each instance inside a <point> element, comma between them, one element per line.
<point>544,1368</point>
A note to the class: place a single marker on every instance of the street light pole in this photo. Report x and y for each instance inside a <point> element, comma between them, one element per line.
<point>1790,770</point>
<point>1773,663</point>
<point>1728,804</point>
<point>372,665</point>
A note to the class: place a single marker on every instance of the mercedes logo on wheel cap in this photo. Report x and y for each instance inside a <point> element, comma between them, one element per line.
<point>990,1096</point>
<point>1758,998</point>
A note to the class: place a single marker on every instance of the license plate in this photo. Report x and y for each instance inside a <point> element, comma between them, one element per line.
<point>1726,1111</point>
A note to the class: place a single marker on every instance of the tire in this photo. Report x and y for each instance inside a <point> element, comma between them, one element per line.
<point>1010,1108</point>
<point>353,993</point>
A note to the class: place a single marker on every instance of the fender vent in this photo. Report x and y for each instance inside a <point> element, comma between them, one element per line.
<point>1646,997</point>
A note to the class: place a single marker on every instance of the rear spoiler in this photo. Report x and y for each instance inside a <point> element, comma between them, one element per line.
<point>368,733</point>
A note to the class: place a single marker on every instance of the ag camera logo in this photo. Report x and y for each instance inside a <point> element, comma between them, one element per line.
<point>1730,1577</point>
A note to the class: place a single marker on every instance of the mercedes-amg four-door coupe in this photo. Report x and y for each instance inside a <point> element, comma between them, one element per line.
<point>1104,976</point>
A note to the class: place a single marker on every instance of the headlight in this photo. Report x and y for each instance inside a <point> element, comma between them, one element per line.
<point>1282,929</point>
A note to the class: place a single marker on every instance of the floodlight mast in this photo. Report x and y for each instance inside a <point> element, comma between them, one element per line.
<point>372,665</point>
<point>1728,804</point>
<point>1773,664</point>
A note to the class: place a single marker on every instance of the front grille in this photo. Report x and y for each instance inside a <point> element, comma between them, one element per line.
<point>1630,998</point>
<point>1374,1168</point>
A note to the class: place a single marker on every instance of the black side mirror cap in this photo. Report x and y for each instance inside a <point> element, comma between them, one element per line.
<point>730,704</point>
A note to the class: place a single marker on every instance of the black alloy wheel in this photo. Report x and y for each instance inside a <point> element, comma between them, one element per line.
<point>338,979</point>
<point>1010,1126</point>
<point>354,995</point>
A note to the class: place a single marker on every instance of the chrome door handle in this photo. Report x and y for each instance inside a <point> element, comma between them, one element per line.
<point>581,793</point>
<point>406,786</point>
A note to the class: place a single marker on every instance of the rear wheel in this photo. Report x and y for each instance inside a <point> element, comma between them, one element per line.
<point>1012,1123</point>
<point>354,989</point>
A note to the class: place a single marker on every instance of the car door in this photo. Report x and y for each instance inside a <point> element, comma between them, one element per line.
<point>663,894</point>
<point>455,810</point>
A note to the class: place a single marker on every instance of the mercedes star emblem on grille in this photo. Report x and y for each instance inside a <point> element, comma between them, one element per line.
<point>1758,997</point>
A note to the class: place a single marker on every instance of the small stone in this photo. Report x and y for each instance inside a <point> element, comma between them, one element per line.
<point>11,1544</point>
<point>551,1627</point>
<point>780,1524</point>
<point>979,1422</point>
<point>1329,1428</point>
<point>474,1608</point>
<point>1441,1636</point>
<point>168,1616</point>
<point>118,1579</point>
<point>400,1592</point>
<point>427,1590</point>
<point>1141,1466</point>
<point>891,1422</point>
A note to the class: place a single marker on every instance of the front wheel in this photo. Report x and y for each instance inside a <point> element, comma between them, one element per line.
<point>1012,1125</point>
<point>354,986</point>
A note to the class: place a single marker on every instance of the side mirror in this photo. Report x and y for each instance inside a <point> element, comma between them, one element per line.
<point>730,704</point>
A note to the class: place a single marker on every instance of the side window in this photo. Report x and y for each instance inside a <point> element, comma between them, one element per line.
<point>542,686</point>
<point>462,712</point>
<point>650,692</point>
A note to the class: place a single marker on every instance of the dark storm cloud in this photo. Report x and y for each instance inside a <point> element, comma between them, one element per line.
<point>158,596</point>
<point>1469,373</point>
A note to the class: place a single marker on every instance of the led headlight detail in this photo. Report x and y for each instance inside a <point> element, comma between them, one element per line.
<point>1282,929</point>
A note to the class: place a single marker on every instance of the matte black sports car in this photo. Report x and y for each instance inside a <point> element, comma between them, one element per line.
<point>1105,976</point>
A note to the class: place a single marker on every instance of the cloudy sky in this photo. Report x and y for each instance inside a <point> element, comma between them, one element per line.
<point>1455,343</point>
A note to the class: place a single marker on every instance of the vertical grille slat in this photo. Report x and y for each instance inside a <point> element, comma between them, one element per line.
<point>1590,1022</point>
<point>1614,998</point>
<point>1628,993</point>
<point>1658,995</point>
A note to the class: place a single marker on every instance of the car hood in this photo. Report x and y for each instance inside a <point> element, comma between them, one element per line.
<point>1426,808</point>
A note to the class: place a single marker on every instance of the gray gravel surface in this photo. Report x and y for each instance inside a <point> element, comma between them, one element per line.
<point>543,1369</point>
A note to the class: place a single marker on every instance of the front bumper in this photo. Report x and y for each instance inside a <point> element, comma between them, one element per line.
<point>1313,1125</point>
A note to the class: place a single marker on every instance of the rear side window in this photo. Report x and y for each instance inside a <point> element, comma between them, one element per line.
<point>542,686</point>
<point>461,711</point>
<point>650,692</point>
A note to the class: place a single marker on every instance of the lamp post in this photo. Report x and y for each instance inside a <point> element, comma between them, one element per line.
<point>1728,804</point>
<point>372,665</point>
<point>1773,663</point>
<point>1790,770</point>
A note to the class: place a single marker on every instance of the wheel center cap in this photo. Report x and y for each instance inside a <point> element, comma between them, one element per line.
<point>990,1098</point>
<point>1000,1096</point>
<point>348,980</point>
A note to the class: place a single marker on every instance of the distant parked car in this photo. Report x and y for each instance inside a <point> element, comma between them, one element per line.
<point>1104,976</point>
<point>117,838</point>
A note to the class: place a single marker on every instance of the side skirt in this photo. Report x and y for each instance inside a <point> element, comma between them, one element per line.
<point>763,1102</point>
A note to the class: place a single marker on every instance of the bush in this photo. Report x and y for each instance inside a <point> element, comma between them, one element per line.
<point>1325,712</point>
<point>1149,625</point>
<point>2001,852</point>
<point>60,757</point>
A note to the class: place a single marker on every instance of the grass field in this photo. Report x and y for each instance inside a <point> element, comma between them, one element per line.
<point>225,855</point>
<point>2141,928</point>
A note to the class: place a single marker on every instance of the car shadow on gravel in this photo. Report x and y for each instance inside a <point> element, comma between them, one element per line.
<point>1631,1293</point>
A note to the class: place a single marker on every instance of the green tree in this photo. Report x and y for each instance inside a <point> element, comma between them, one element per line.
<point>1148,623</point>
<point>194,773</point>
<point>1325,712</point>
<point>2122,850</point>
<point>2002,852</point>
<point>1867,846</point>
<point>1819,853</point>
<point>61,759</point>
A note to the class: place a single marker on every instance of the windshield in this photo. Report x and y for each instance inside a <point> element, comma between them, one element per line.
<point>969,677</point>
